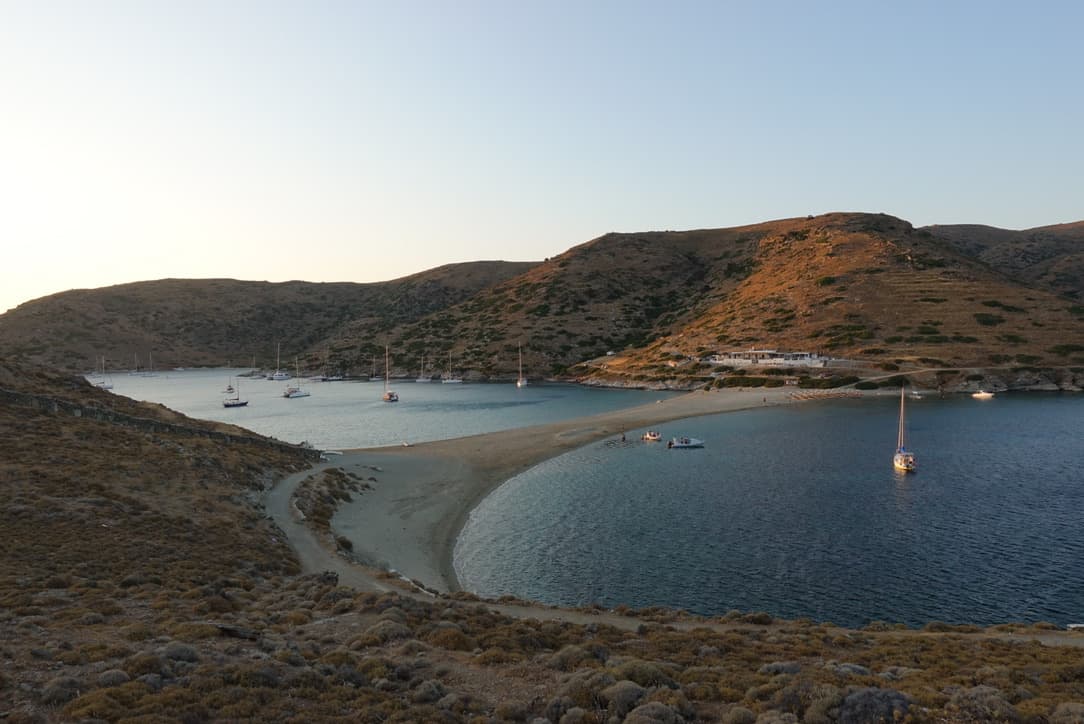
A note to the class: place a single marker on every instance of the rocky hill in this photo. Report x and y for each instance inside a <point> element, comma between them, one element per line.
<point>860,286</point>
<point>1048,256</point>
<point>867,287</point>
<point>872,288</point>
<point>192,322</point>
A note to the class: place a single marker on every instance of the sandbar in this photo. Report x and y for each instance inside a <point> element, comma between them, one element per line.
<point>423,494</point>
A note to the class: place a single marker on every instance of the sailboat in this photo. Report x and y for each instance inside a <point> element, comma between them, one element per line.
<point>236,400</point>
<point>105,383</point>
<point>449,378</point>
<point>903,459</point>
<point>279,375</point>
<point>389,396</point>
<point>422,377</point>
<point>521,381</point>
<point>293,391</point>
<point>149,372</point>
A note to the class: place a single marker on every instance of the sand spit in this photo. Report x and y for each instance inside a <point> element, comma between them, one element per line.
<point>423,494</point>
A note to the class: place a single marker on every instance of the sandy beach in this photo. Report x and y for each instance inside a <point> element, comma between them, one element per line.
<point>423,494</point>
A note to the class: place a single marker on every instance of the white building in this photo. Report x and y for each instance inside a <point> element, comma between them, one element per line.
<point>769,358</point>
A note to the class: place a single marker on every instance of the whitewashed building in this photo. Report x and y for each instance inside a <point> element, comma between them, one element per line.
<point>769,358</point>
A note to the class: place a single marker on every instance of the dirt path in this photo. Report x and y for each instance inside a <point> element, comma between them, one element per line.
<point>314,557</point>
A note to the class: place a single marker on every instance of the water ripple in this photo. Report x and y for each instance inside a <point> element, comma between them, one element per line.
<point>795,511</point>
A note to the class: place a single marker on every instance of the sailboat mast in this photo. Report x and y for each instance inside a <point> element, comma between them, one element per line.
<point>899,437</point>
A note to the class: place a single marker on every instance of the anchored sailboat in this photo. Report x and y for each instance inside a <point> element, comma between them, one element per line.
<point>389,396</point>
<point>521,381</point>
<point>449,378</point>
<point>236,400</point>
<point>422,377</point>
<point>293,391</point>
<point>105,383</point>
<point>903,459</point>
<point>279,374</point>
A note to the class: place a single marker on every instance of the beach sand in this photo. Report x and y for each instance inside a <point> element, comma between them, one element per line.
<point>423,494</point>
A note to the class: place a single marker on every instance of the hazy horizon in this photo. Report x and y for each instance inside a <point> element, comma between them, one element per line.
<point>363,142</point>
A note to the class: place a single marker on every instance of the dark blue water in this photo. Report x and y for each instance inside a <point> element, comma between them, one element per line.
<point>797,511</point>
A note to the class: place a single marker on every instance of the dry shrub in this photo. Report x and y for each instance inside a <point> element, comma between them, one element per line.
<point>112,703</point>
<point>703,691</point>
<point>452,639</point>
<point>339,657</point>
<point>215,604</point>
<point>137,632</point>
<point>193,631</point>
<point>297,617</point>
<point>495,656</point>
<point>375,668</point>
<point>643,673</point>
<point>570,657</point>
<point>136,666</point>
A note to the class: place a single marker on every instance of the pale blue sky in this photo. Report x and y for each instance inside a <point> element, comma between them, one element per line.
<point>362,141</point>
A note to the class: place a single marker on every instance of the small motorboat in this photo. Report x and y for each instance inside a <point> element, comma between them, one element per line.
<point>982,395</point>
<point>651,436</point>
<point>683,442</point>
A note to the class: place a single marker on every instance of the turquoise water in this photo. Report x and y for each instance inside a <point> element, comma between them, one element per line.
<point>797,511</point>
<point>351,414</point>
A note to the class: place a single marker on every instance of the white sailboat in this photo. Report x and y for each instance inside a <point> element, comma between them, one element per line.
<point>236,400</point>
<point>294,391</point>
<point>389,396</point>
<point>105,383</point>
<point>279,375</point>
<point>904,459</point>
<point>521,381</point>
<point>422,377</point>
<point>149,372</point>
<point>449,378</point>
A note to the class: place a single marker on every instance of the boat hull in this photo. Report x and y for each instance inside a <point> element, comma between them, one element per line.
<point>680,443</point>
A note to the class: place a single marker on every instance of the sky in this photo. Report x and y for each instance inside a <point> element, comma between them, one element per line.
<point>364,141</point>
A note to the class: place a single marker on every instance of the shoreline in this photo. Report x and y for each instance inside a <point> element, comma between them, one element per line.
<point>423,494</point>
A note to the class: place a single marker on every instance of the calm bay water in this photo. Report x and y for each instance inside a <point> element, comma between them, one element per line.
<point>797,511</point>
<point>351,414</point>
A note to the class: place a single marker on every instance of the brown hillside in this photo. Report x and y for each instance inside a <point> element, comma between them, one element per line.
<point>1047,256</point>
<point>857,286</point>
<point>866,286</point>
<point>871,287</point>
<point>191,322</point>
